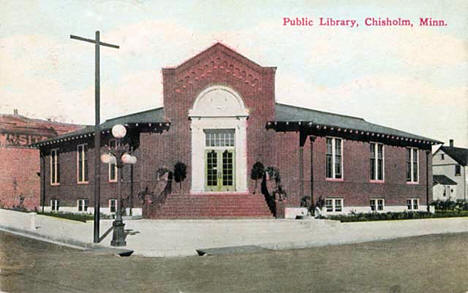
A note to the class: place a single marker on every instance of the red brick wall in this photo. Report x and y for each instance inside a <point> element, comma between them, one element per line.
<point>355,188</point>
<point>18,177</point>
<point>69,190</point>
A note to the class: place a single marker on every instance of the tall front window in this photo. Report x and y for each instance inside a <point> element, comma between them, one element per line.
<point>112,167</point>
<point>334,158</point>
<point>54,167</point>
<point>412,165</point>
<point>376,162</point>
<point>82,162</point>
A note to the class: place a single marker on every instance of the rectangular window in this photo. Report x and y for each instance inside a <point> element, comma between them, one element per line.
<point>54,167</point>
<point>219,137</point>
<point>412,165</point>
<point>377,204</point>
<point>82,205</point>
<point>457,170</point>
<point>112,167</point>
<point>334,205</point>
<point>334,158</point>
<point>82,162</point>
<point>376,162</point>
<point>442,157</point>
<point>329,205</point>
<point>412,204</point>
<point>112,205</point>
<point>54,205</point>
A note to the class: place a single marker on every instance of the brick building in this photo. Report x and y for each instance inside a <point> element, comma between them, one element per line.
<point>220,119</point>
<point>19,180</point>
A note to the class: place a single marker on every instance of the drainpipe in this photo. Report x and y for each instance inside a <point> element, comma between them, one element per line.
<point>42,178</point>
<point>302,139</point>
<point>427,180</point>
<point>312,139</point>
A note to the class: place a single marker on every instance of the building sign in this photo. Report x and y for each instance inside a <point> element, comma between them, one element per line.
<point>20,139</point>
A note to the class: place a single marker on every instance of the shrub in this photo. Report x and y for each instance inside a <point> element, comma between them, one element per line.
<point>450,205</point>
<point>360,217</point>
<point>73,216</point>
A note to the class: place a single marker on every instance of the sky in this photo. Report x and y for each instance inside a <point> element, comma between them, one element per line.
<point>410,78</point>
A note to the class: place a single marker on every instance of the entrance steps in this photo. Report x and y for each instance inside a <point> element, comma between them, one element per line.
<point>209,206</point>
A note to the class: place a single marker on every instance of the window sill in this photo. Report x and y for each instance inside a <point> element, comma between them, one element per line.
<point>377,181</point>
<point>112,181</point>
<point>412,183</point>
<point>87,182</point>
<point>334,179</point>
<point>54,184</point>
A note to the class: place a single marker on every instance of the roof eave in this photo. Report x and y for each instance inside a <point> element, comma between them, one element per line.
<point>141,126</point>
<point>311,127</point>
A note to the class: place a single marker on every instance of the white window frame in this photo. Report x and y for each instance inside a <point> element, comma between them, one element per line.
<point>110,205</point>
<point>411,206</point>
<point>376,204</point>
<point>84,202</point>
<point>333,165</point>
<point>334,205</point>
<point>54,205</point>
<point>413,180</point>
<point>54,165</point>
<point>83,169</point>
<point>116,170</point>
<point>376,162</point>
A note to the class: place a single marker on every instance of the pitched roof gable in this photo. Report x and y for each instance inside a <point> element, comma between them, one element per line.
<point>218,47</point>
<point>460,155</point>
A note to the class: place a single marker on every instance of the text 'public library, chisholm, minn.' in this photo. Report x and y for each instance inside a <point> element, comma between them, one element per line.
<point>241,154</point>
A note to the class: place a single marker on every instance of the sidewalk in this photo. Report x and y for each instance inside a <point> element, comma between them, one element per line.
<point>162,238</point>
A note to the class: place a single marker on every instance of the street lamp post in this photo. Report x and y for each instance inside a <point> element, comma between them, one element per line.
<point>118,155</point>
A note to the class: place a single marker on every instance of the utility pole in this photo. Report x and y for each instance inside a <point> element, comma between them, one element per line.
<point>97,130</point>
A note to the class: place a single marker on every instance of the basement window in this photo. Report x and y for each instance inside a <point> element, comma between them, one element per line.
<point>334,205</point>
<point>112,205</point>
<point>412,204</point>
<point>82,205</point>
<point>54,205</point>
<point>377,205</point>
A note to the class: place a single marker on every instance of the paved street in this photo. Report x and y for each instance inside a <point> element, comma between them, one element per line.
<point>434,263</point>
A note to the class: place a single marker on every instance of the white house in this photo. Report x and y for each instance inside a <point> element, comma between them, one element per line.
<point>452,162</point>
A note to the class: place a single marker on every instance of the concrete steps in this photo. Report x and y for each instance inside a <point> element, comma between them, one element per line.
<point>209,206</point>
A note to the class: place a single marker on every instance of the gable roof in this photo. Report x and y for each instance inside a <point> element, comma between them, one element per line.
<point>443,180</point>
<point>460,155</point>
<point>149,116</point>
<point>218,47</point>
<point>289,113</point>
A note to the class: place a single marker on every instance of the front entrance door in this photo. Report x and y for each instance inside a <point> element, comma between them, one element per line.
<point>219,160</point>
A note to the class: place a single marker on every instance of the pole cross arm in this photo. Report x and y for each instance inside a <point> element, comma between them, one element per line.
<point>94,41</point>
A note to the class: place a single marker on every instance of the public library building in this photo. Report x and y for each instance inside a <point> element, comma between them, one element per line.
<point>222,147</point>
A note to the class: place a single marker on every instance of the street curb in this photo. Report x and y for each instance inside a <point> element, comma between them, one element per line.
<point>62,242</point>
<point>99,249</point>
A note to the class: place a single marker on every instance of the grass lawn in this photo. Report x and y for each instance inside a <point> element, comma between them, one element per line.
<point>435,263</point>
